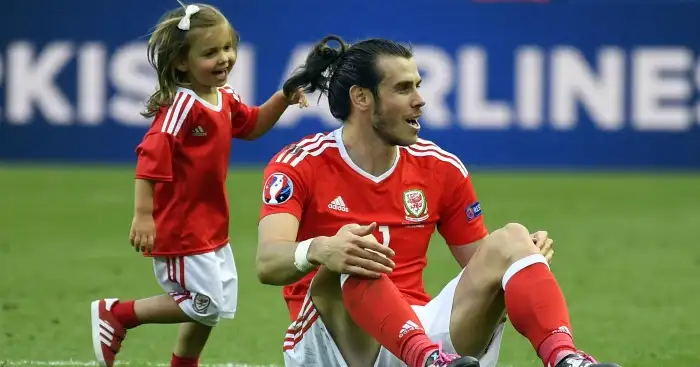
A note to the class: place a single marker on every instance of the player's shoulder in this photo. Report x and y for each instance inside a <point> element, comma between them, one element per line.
<point>427,154</point>
<point>310,151</point>
<point>185,105</point>
<point>227,92</point>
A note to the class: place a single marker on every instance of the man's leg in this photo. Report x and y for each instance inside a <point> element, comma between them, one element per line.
<point>507,271</point>
<point>356,346</point>
<point>363,313</point>
<point>477,309</point>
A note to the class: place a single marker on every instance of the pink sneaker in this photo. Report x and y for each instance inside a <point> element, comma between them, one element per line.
<point>107,332</point>
<point>442,359</point>
<point>581,359</point>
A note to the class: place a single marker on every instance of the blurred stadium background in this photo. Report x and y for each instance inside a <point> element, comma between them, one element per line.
<point>578,117</point>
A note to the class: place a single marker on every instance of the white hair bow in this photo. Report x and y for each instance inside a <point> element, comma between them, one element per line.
<point>184,23</point>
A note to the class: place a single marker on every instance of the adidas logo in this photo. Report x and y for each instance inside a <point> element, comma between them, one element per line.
<point>563,329</point>
<point>338,204</point>
<point>199,131</point>
<point>408,327</point>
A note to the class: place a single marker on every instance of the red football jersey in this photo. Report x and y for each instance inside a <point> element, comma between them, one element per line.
<point>186,151</point>
<point>426,188</point>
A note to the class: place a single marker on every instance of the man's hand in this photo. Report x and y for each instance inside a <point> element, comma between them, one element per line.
<point>143,233</point>
<point>545,244</point>
<point>353,250</point>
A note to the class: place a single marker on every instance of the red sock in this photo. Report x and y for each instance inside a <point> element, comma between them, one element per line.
<point>377,306</point>
<point>184,361</point>
<point>124,313</point>
<point>537,309</point>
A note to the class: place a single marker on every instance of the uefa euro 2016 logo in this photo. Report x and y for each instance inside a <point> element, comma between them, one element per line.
<point>278,189</point>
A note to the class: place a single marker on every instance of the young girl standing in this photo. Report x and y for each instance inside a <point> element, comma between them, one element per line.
<point>181,213</point>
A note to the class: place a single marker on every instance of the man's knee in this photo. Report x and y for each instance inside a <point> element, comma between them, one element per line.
<point>504,247</point>
<point>516,230</point>
<point>511,243</point>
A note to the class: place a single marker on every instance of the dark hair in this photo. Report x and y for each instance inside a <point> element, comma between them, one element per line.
<point>334,70</point>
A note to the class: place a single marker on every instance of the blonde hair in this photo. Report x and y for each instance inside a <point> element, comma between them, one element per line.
<point>169,44</point>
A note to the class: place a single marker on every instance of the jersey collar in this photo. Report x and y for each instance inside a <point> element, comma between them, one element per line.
<point>215,108</point>
<point>338,135</point>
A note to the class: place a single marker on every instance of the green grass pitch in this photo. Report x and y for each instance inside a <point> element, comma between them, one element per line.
<point>627,258</point>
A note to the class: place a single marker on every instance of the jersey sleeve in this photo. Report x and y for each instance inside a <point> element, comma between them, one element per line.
<point>243,117</point>
<point>155,152</point>
<point>286,185</point>
<point>461,220</point>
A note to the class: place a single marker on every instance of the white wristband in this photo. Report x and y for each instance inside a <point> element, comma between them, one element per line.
<point>300,256</point>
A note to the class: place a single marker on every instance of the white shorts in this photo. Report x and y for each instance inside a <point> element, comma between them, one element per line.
<point>205,285</point>
<point>308,343</point>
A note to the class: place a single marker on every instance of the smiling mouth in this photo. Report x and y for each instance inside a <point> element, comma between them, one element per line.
<point>414,123</point>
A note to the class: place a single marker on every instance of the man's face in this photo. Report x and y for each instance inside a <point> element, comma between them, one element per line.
<point>396,112</point>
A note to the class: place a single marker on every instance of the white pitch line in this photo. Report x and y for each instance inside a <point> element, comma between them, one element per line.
<point>24,362</point>
<point>4,363</point>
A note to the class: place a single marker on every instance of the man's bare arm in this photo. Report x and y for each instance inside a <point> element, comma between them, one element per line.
<point>277,245</point>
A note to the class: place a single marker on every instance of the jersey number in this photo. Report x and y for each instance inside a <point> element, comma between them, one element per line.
<point>384,230</point>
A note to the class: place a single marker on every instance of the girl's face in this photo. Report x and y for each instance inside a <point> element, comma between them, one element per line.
<point>211,56</point>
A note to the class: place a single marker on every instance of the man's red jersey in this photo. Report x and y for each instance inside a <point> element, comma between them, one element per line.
<point>186,151</point>
<point>426,188</point>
